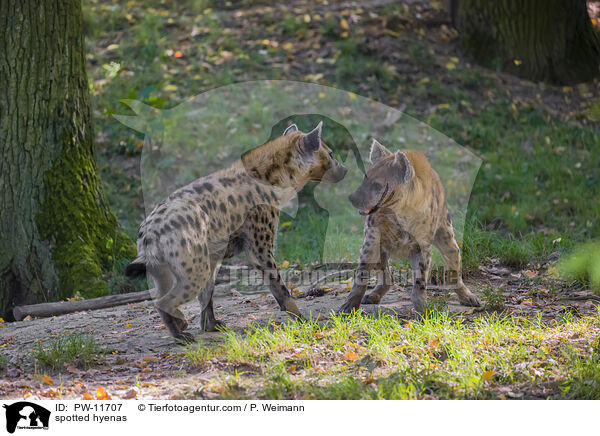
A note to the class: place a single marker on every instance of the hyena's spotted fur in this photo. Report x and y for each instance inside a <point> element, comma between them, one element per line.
<point>184,239</point>
<point>404,203</point>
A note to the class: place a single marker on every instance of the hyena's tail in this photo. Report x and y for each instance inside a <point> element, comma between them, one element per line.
<point>137,268</point>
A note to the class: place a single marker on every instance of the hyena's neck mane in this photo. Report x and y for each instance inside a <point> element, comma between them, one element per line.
<point>275,163</point>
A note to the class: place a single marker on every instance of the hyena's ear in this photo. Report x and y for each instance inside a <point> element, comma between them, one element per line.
<point>312,140</point>
<point>378,152</point>
<point>292,129</point>
<point>402,170</point>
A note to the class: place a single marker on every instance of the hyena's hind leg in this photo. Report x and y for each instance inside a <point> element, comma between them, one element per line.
<point>208,322</point>
<point>384,282</point>
<point>445,242</point>
<point>192,272</point>
<point>164,280</point>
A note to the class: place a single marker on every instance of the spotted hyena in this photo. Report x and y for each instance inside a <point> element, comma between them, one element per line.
<point>182,242</point>
<point>404,203</point>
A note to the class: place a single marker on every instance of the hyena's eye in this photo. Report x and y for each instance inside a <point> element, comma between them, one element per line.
<point>376,186</point>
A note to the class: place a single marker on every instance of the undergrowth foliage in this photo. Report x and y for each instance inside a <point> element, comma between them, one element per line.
<point>438,356</point>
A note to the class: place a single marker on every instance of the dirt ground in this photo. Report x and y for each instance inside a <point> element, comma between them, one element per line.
<point>142,361</point>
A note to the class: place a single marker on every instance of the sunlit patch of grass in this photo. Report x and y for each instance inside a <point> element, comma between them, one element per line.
<point>77,349</point>
<point>436,356</point>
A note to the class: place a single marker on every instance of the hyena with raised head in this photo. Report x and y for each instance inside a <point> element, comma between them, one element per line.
<point>403,201</point>
<point>183,241</point>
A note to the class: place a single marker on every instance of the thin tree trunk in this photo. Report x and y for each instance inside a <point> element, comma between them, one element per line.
<point>542,40</point>
<point>56,232</point>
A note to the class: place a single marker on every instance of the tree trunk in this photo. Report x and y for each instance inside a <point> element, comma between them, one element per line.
<point>542,40</point>
<point>57,234</point>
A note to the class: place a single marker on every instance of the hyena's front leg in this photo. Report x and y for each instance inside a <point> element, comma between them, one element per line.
<point>420,263</point>
<point>260,240</point>
<point>384,282</point>
<point>277,287</point>
<point>445,242</point>
<point>263,259</point>
<point>369,259</point>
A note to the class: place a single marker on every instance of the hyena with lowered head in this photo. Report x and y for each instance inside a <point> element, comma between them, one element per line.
<point>403,201</point>
<point>183,241</point>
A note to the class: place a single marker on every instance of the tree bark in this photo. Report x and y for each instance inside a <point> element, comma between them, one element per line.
<point>541,40</point>
<point>56,232</point>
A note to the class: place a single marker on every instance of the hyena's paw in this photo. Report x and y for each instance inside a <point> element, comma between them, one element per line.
<point>181,323</point>
<point>214,326</point>
<point>419,301</point>
<point>183,338</point>
<point>349,305</point>
<point>371,298</point>
<point>467,298</point>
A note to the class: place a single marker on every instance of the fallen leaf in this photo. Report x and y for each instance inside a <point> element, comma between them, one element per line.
<point>101,394</point>
<point>351,355</point>
<point>131,393</point>
<point>47,379</point>
<point>152,359</point>
<point>87,396</point>
<point>487,375</point>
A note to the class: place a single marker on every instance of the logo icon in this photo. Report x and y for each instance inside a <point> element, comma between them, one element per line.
<point>26,415</point>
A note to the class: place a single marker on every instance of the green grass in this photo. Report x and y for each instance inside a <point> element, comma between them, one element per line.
<point>583,265</point>
<point>80,350</point>
<point>3,362</point>
<point>438,356</point>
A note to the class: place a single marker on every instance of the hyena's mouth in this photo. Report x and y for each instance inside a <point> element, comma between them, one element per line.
<point>377,206</point>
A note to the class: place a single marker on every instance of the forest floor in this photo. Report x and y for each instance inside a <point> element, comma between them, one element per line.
<point>544,327</point>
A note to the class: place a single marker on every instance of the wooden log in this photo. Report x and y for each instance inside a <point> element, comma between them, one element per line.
<point>60,308</point>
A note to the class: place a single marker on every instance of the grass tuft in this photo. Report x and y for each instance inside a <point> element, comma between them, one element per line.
<point>77,349</point>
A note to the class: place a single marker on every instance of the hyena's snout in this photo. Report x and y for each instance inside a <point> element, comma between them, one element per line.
<point>355,199</point>
<point>341,172</point>
<point>360,200</point>
<point>335,174</point>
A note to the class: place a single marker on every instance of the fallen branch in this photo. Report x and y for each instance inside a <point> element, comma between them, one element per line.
<point>60,308</point>
<point>582,297</point>
<point>322,279</point>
